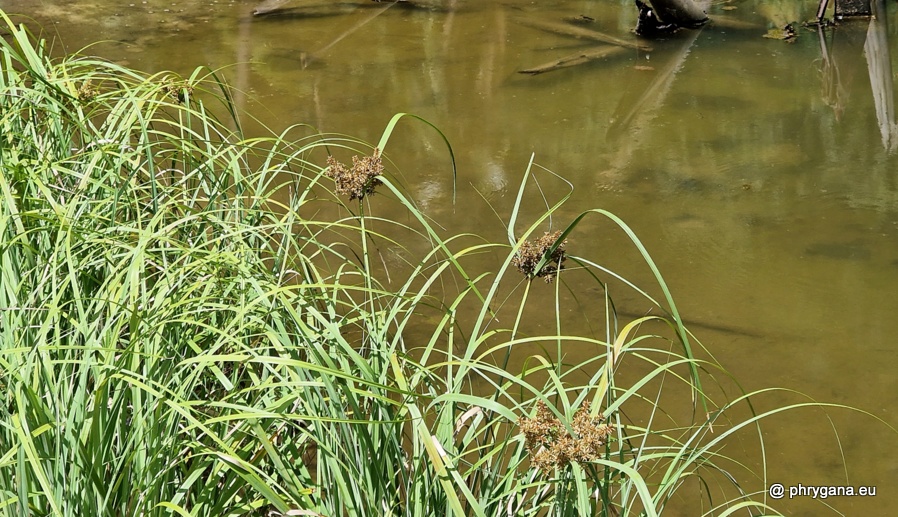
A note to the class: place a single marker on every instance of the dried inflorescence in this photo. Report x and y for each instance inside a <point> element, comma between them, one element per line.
<point>87,92</point>
<point>550,444</point>
<point>361,179</point>
<point>530,253</point>
<point>177,91</point>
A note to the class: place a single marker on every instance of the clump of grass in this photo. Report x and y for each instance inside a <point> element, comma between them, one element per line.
<point>182,332</point>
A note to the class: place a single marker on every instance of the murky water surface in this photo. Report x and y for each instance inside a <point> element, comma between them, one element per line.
<point>762,174</point>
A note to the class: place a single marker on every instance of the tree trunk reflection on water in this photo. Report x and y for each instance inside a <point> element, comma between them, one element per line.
<point>879,64</point>
<point>840,66</point>
<point>832,90</point>
<point>243,58</point>
<point>308,59</point>
<point>639,112</point>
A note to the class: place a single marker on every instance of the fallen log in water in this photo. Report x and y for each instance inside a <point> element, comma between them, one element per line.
<point>580,32</point>
<point>311,8</point>
<point>268,6</point>
<point>577,58</point>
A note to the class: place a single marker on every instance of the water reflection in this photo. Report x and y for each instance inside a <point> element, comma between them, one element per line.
<point>879,63</point>
<point>840,54</point>
<point>832,90</point>
<point>631,116</point>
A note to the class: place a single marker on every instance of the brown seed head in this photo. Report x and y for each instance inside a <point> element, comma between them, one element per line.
<point>87,92</point>
<point>359,180</point>
<point>551,446</point>
<point>531,252</point>
<point>177,90</point>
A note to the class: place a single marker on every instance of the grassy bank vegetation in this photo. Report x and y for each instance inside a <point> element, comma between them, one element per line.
<point>184,329</point>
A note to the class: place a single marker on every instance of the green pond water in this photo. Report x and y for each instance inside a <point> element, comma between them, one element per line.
<point>761,174</point>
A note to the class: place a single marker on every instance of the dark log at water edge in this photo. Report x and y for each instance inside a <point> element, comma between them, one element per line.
<point>684,13</point>
<point>853,8</point>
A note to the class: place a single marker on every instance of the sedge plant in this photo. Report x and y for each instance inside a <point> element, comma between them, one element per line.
<point>194,322</point>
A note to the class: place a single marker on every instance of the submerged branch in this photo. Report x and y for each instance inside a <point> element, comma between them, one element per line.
<point>333,8</point>
<point>580,32</point>
<point>577,58</point>
<point>314,55</point>
<point>316,9</point>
